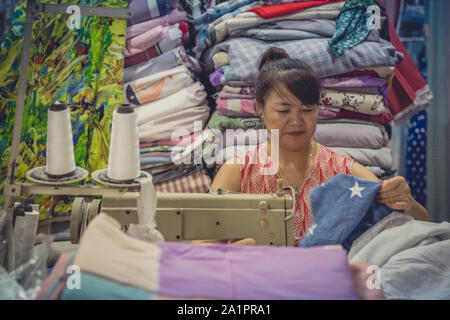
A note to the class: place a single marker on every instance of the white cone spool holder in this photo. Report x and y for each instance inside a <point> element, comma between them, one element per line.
<point>124,160</point>
<point>60,165</point>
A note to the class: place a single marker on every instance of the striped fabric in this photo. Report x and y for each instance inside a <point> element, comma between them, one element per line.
<point>197,182</point>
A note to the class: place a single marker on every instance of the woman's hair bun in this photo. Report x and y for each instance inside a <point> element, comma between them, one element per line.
<point>272,54</point>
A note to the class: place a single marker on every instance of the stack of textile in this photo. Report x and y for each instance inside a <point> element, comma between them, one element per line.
<point>355,64</point>
<point>160,80</point>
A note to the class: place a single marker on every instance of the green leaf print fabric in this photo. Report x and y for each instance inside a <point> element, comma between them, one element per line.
<point>82,67</point>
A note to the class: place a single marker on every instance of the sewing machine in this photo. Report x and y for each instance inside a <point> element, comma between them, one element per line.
<point>266,218</point>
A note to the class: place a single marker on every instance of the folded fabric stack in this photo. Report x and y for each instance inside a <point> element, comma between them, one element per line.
<point>161,81</point>
<point>355,64</point>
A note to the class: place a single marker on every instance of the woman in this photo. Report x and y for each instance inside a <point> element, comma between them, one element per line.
<point>287,95</point>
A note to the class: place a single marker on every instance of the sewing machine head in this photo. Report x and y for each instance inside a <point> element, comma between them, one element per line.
<point>267,218</point>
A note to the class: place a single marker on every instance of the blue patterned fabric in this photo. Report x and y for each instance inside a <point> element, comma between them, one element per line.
<point>343,208</point>
<point>351,26</point>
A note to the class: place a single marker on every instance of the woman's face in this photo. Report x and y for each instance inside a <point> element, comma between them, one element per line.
<point>295,121</point>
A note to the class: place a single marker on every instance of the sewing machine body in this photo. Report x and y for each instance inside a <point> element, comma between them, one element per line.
<point>267,218</point>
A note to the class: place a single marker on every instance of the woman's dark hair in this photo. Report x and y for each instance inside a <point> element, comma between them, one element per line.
<point>277,68</point>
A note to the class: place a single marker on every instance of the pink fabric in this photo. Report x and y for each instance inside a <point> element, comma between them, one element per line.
<point>58,272</point>
<point>145,40</point>
<point>185,141</point>
<point>176,16</point>
<point>227,95</point>
<point>253,179</point>
<point>327,114</point>
<point>242,108</point>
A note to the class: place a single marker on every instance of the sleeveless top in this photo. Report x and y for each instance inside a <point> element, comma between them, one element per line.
<point>259,175</point>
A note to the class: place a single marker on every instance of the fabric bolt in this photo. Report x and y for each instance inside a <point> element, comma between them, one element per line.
<point>323,27</point>
<point>229,272</point>
<point>147,9</point>
<point>352,25</point>
<point>163,128</point>
<point>357,82</point>
<point>156,149</point>
<point>409,92</point>
<point>164,62</point>
<point>145,40</point>
<point>278,10</point>
<point>274,34</point>
<point>357,121</point>
<point>243,54</point>
<point>259,175</point>
<point>240,108</point>
<point>158,167</point>
<point>412,256</point>
<point>357,102</point>
<point>93,287</point>
<point>175,16</point>
<point>174,173</point>
<point>158,86</point>
<point>212,156</point>
<point>350,135</point>
<point>220,59</point>
<point>154,160</point>
<point>368,157</point>
<point>384,72</point>
<point>238,83</point>
<point>191,96</point>
<point>106,251</point>
<point>222,123</point>
<point>155,154</point>
<point>323,113</point>
<point>250,19</point>
<point>239,90</point>
<point>227,95</point>
<point>171,40</point>
<point>181,141</point>
<point>206,35</point>
<point>215,78</point>
<point>354,211</point>
<point>384,119</point>
<point>196,182</point>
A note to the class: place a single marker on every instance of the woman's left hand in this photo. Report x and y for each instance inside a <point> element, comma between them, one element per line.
<point>396,194</point>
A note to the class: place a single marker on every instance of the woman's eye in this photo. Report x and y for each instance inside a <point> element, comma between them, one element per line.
<point>308,110</point>
<point>283,111</point>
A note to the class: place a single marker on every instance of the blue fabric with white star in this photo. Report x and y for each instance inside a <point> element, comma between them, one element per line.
<point>343,208</point>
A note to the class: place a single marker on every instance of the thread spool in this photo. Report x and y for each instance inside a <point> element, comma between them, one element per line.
<point>60,161</point>
<point>123,161</point>
<point>25,228</point>
<point>60,165</point>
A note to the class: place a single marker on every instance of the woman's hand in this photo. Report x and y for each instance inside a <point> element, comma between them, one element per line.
<point>396,194</point>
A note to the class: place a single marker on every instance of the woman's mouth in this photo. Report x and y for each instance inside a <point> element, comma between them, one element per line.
<point>296,133</point>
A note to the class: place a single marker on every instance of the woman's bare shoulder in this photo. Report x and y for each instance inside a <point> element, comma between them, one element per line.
<point>228,177</point>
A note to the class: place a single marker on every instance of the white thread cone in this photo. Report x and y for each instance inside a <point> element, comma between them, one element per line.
<point>60,156</point>
<point>124,162</point>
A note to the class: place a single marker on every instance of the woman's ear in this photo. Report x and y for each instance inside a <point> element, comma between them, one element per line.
<point>259,109</point>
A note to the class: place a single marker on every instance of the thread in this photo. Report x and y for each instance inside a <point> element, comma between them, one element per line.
<point>25,228</point>
<point>60,161</point>
<point>123,161</point>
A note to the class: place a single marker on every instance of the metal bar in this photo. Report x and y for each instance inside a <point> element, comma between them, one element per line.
<point>20,101</point>
<point>23,189</point>
<point>84,10</point>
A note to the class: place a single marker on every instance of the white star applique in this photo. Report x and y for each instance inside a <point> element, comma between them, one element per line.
<point>311,229</point>
<point>356,190</point>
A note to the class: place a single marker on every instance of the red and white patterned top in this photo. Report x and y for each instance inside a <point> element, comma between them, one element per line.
<point>258,175</point>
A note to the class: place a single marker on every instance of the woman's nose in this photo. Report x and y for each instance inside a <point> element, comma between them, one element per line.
<point>296,118</point>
